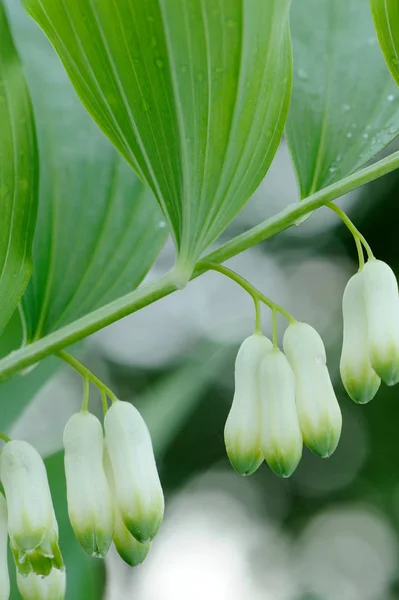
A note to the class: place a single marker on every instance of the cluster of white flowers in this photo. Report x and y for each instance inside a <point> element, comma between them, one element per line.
<point>113,491</point>
<point>370,351</point>
<point>280,401</point>
<point>284,399</point>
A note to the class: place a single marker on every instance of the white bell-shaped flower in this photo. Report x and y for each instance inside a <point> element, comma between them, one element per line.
<point>4,576</point>
<point>381,300</point>
<point>318,410</point>
<point>242,429</point>
<point>138,490</point>
<point>281,438</point>
<point>128,548</point>
<point>89,499</point>
<point>32,526</point>
<point>358,376</point>
<point>37,587</point>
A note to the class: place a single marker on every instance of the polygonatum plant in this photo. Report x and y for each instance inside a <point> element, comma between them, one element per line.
<point>157,118</point>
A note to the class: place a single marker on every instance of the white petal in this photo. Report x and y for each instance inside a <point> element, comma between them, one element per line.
<point>31,520</point>
<point>138,489</point>
<point>242,430</point>
<point>36,587</point>
<point>128,548</point>
<point>89,499</point>
<point>358,376</point>
<point>382,307</point>
<point>281,437</point>
<point>4,576</point>
<point>318,409</point>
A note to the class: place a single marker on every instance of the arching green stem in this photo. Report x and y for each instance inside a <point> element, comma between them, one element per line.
<point>87,374</point>
<point>358,237</point>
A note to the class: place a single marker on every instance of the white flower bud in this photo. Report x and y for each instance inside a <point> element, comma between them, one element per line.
<point>137,487</point>
<point>89,499</point>
<point>381,299</point>
<point>318,410</point>
<point>242,430</point>
<point>281,437</point>
<point>128,548</point>
<point>32,526</point>
<point>37,587</point>
<point>358,376</point>
<point>4,577</point>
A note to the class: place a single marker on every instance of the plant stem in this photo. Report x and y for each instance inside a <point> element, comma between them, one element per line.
<point>4,437</point>
<point>86,393</point>
<point>147,294</point>
<point>358,237</point>
<point>86,373</point>
<point>258,316</point>
<point>248,287</point>
<point>275,329</point>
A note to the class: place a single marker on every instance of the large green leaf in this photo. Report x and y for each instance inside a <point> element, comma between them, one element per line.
<point>18,176</point>
<point>99,228</point>
<point>193,93</point>
<point>386,20</point>
<point>345,106</point>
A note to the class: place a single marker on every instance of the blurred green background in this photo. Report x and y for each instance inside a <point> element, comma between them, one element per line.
<point>331,532</point>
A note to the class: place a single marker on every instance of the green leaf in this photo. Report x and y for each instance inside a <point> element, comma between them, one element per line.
<point>18,176</point>
<point>386,20</point>
<point>99,228</point>
<point>345,106</point>
<point>193,93</point>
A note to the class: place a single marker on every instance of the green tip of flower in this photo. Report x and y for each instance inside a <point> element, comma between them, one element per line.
<point>95,543</point>
<point>129,549</point>
<point>360,389</point>
<point>245,463</point>
<point>386,364</point>
<point>144,528</point>
<point>283,466</point>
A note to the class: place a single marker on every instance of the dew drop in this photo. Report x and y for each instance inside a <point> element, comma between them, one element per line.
<point>365,136</point>
<point>393,129</point>
<point>161,224</point>
<point>302,74</point>
<point>219,69</point>
<point>394,61</point>
<point>184,68</point>
<point>371,41</point>
<point>349,134</point>
<point>332,169</point>
<point>200,76</point>
<point>159,63</point>
<point>346,107</point>
<point>390,98</point>
<point>231,23</point>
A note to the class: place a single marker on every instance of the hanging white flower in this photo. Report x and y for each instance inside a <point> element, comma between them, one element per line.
<point>89,499</point>
<point>128,548</point>
<point>358,376</point>
<point>138,491</point>
<point>4,576</point>
<point>32,526</point>
<point>281,439</point>
<point>37,587</point>
<point>242,430</point>
<point>381,300</point>
<point>319,414</point>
